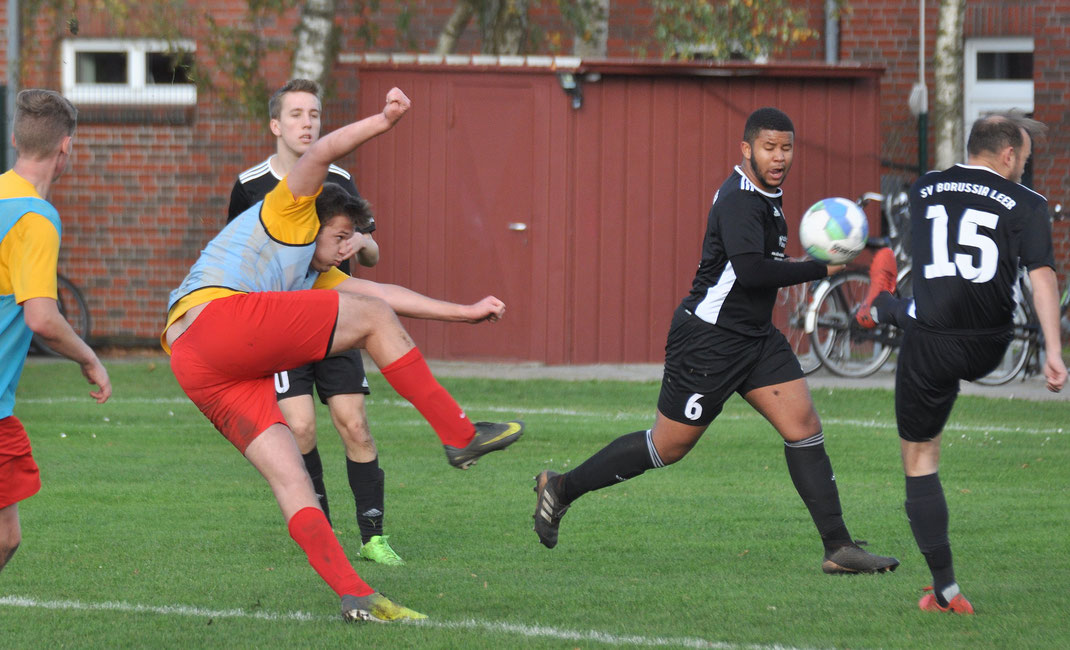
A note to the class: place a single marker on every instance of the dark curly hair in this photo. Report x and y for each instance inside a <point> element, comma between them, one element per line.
<point>768,118</point>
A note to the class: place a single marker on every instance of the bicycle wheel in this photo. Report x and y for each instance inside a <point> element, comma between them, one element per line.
<point>789,315</point>
<point>73,307</point>
<point>1017,353</point>
<point>843,346</point>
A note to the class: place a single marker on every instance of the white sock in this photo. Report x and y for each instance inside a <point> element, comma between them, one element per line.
<point>950,592</point>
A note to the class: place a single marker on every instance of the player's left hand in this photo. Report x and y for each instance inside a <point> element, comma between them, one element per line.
<point>490,309</point>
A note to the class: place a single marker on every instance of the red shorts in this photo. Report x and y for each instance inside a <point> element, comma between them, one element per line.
<point>227,359</point>
<point>19,477</point>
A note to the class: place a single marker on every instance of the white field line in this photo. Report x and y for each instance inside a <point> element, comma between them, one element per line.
<point>531,631</point>
<point>602,415</point>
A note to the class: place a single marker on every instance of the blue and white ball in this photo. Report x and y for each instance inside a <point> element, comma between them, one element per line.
<point>834,230</point>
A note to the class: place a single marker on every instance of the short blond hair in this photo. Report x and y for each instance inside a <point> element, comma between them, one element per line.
<point>42,119</point>
<point>291,86</point>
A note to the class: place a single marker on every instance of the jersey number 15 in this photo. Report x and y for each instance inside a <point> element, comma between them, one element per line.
<point>942,266</point>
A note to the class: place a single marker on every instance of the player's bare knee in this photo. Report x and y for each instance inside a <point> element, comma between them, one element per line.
<point>305,434</point>
<point>358,440</point>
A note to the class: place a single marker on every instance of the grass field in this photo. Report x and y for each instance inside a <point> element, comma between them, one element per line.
<point>151,531</point>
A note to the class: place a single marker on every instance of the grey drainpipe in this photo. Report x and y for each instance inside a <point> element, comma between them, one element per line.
<point>832,32</point>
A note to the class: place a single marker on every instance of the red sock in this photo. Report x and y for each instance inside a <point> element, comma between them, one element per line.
<point>412,379</point>
<point>313,534</point>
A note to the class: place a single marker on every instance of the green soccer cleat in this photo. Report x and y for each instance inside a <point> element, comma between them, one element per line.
<point>548,508</point>
<point>378,550</point>
<point>850,558</point>
<point>489,437</point>
<point>377,608</point>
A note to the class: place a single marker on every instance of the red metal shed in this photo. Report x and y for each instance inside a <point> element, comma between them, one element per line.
<point>586,221</point>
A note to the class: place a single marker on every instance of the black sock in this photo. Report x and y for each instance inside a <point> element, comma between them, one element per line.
<point>892,310</point>
<point>626,457</point>
<point>927,511</point>
<point>315,472</point>
<point>366,481</point>
<point>811,472</point>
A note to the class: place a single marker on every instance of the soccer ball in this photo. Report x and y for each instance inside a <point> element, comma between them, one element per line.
<point>834,230</point>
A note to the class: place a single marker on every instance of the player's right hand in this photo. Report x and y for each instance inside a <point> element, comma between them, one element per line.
<point>833,269</point>
<point>490,308</point>
<point>396,105</point>
<point>97,375</point>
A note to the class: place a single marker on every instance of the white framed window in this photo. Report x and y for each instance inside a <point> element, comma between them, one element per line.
<point>128,71</point>
<point>998,76</point>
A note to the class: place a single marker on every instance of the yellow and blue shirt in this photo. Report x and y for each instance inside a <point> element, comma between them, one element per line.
<point>29,249</point>
<point>268,247</point>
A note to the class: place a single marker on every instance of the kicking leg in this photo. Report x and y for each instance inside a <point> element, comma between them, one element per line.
<point>370,323</point>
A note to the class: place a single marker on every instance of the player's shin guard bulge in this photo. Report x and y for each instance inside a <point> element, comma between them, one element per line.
<point>489,436</point>
<point>377,608</point>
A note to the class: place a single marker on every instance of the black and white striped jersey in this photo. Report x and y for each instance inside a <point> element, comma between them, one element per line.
<point>254,183</point>
<point>970,230</point>
<point>743,219</point>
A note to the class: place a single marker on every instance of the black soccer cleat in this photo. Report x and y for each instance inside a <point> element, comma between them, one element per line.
<point>548,508</point>
<point>489,437</point>
<point>851,558</point>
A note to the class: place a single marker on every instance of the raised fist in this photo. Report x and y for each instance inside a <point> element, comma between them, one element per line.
<point>396,105</point>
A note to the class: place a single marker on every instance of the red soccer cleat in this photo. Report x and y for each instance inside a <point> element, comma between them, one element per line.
<point>958,604</point>
<point>882,272</point>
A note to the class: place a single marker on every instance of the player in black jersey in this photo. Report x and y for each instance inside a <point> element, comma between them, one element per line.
<point>722,341</point>
<point>972,227</point>
<point>340,380</point>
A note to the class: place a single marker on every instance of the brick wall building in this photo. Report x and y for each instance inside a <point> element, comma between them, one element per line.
<point>149,185</point>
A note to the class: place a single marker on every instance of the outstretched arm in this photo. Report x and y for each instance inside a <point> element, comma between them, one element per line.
<point>416,305</point>
<point>1046,302</point>
<point>307,176</point>
<point>43,317</point>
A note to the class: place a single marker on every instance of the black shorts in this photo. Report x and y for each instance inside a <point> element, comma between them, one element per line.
<point>705,364</point>
<point>338,375</point>
<point>928,372</point>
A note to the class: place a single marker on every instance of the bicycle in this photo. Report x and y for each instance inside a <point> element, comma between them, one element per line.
<point>836,339</point>
<point>789,316</point>
<point>73,306</point>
